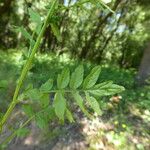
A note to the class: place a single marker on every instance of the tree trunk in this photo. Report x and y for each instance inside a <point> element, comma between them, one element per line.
<point>144,69</point>
<point>87,45</point>
<point>5,7</point>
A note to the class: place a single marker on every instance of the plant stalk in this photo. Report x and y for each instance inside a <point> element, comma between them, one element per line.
<point>27,66</point>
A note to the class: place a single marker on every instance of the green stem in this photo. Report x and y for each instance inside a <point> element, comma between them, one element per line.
<point>9,138</point>
<point>27,66</point>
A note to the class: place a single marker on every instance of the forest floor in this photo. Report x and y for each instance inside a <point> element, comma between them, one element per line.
<point>111,131</point>
<point>124,125</point>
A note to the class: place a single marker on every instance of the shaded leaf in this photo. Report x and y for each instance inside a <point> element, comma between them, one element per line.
<point>22,132</point>
<point>28,110</point>
<point>3,84</point>
<point>79,102</point>
<point>41,120</point>
<point>59,105</point>
<point>50,113</point>
<point>56,31</point>
<point>93,103</point>
<point>44,100</point>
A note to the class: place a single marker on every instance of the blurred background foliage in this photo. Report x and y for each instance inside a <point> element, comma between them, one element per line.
<point>87,31</point>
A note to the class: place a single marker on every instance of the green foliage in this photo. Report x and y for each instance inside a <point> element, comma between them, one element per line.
<point>80,103</point>
<point>92,78</point>
<point>3,84</point>
<point>38,105</point>
<point>76,88</point>
<point>93,103</point>
<point>28,109</point>
<point>47,86</point>
<point>56,31</point>
<point>69,116</point>
<point>41,120</point>
<point>77,77</point>
<point>22,132</point>
<point>63,79</point>
<point>34,16</point>
<point>25,33</point>
<point>60,105</point>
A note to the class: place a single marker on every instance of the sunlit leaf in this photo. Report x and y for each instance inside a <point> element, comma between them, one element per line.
<point>69,116</point>
<point>34,16</point>
<point>107,89</point>
<point>25,33</point>
<point>92,78</point>
<point>77,77</point>
<point>63,78</point>
<point>47,86</point>
<point>33,94</point>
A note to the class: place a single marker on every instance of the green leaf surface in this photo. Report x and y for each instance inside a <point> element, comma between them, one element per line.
<point>41,120</point>
<point>44,100</point>
<point>50,113</point>
<point>25,33</point>
<point>56,31</point>
<point>93,103</point>
<point>34,16</point>
<point>69,116</point>
<point>33,94</point>
<point>106,89</point>
<point>79,102</point>
<point>47,86</point>
<point>92,78</point>
<point>28,110</point>
<point>3,83</point>
<point>63,78</point>
<point>77,77</point>
<point>38,28</point>
<point>22,132</point>
<point>59,105</point>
